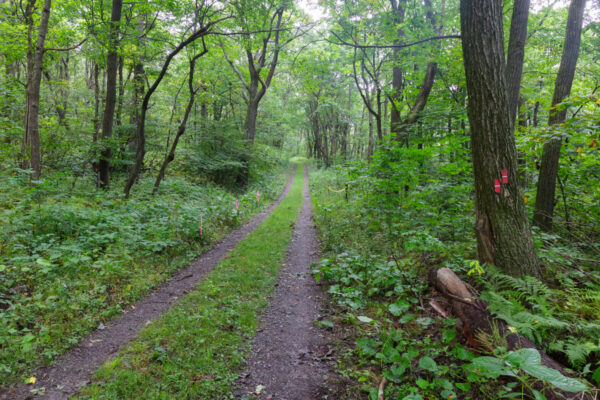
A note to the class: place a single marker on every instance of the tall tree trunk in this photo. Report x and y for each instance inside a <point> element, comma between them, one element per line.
<point>516,54</point>
<point>371,145</point>
<point>398,7</point>
<point>546,187</point>
<point>119,111</point>
<point>31,139</point>
<point>502,229</point>
<point>250,121</point>
<point>112,61</point>
<point>96,85</point>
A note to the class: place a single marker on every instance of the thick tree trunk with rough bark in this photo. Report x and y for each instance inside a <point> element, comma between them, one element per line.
<point>31,139</point>
<point>546,188</point>
<point>503,235</point>
<point>112,61</point>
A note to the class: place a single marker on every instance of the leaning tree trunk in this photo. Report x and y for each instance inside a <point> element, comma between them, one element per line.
<point>181,130</point>
<point>419,104</point>
<point>112,62</point>
<point>31,139</point>
<point>141,126</point>
<point>502,229</point>
<point>546,188</point>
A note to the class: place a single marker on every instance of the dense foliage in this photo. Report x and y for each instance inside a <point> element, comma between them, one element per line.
<point>123,123</point>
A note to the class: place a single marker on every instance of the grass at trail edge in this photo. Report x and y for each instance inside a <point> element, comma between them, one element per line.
<point>197,348</point>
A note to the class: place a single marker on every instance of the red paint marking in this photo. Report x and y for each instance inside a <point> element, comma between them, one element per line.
<point>497,185</point>
<point>505,176</point>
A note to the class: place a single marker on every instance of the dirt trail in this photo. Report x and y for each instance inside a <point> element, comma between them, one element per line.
<point>290,357</point>
<point>74,369</point>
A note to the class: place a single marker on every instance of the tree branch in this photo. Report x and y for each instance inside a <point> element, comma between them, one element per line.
<point>66,48</point>
<point>391,46</point>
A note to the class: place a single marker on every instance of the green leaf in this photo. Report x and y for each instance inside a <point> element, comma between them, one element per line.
<point>596,376</point>
<point>43,262</point>
<point>422,383</point>
<point>464,386</point>
<point>364,319</point>
<point>399,307</point>
<point>538,395</point>
<point>395,373</point>
<point>325,324</point>
<point>530,361</point>
<point>524,356</point>
<point>555,378</point>
<point>491,366</point>
<point>428,363</point>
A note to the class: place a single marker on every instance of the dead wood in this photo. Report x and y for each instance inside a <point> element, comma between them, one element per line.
<point>476,319</point>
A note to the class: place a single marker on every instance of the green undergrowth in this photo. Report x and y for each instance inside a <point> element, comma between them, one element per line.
<point>72,257</point>
<point>196,349</point>
<point>381,236</point>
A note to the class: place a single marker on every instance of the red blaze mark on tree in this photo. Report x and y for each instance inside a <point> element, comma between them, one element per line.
<point>505,176</point>
<point>497,185</point>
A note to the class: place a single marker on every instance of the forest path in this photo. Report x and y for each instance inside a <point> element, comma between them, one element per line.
<point>74,369</point>
<point>290,356</point>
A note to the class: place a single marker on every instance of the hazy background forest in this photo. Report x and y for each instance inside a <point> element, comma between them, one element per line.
<point>122,124</point>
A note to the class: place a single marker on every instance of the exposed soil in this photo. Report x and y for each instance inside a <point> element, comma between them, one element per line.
<point>74,369</point>
<point>291,357</point>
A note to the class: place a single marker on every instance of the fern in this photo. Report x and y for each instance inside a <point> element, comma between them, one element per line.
<point>549,317</point>
<point>577,352</point>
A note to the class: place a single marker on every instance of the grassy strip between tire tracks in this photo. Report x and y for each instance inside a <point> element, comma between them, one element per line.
<point>197,348</point>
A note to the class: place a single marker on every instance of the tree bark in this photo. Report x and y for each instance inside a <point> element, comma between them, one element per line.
<point>502,229</point>
<point>96,85</point>
<point>516,54</point>
<point>112,61</point>
<point>371,144</point>
<point>546,187</point>
<point>119,111</point>
<point>31,140</point>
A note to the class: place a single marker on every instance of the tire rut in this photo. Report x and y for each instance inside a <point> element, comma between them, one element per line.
<point>73,370</point>
<point>291,357</point>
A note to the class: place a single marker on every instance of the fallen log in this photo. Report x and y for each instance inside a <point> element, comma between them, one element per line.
<point>476,319</point>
